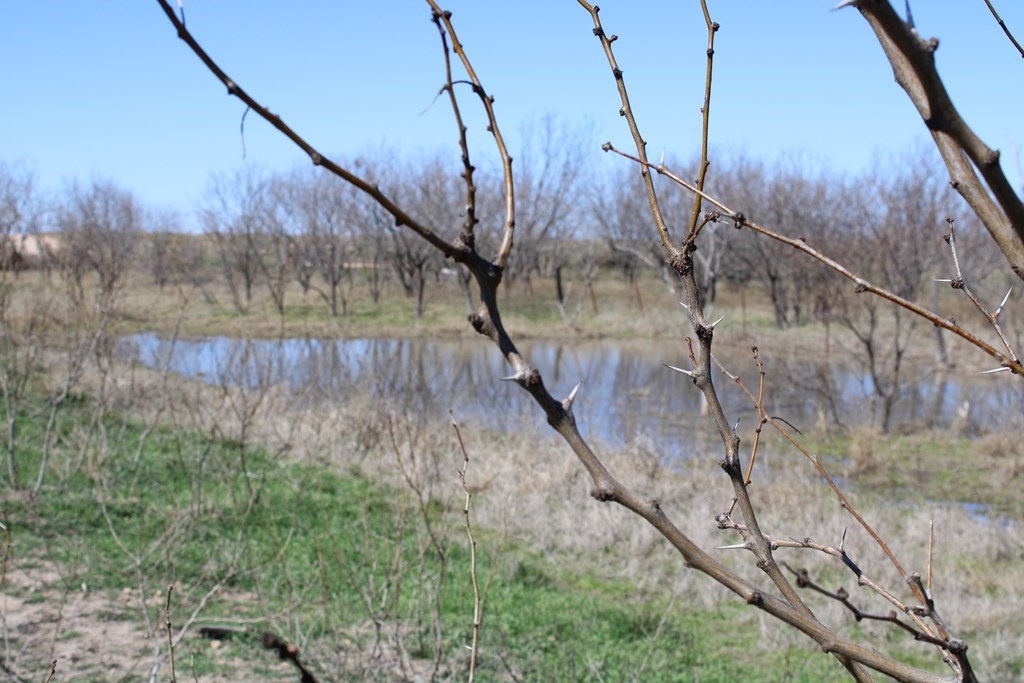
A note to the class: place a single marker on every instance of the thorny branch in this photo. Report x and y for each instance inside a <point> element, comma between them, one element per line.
<point>960,283</point>
<point>681,260</point>
<point>487,321</point>
<point>803,580</point>
<point>468,168</point>
<point>863,285</point>
<point>954,646</point>
<point>492,126</point>
<point>913,580</point>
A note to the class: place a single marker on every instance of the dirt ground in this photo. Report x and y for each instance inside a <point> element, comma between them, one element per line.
<point>98,636</point>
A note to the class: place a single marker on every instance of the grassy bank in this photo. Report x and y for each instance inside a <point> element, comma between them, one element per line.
<point>323,558</point>
<point>369,576</point>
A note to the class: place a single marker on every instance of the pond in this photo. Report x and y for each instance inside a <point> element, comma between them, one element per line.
<point>627,392</point>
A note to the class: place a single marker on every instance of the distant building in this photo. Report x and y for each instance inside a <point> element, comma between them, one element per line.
<point>20,252</point>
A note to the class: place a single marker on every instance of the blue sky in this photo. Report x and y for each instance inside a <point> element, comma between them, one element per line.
<point>105,89</point>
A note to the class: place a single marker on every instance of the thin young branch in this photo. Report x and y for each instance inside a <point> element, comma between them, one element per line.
<point>1006,30</point>
<point>960,283</point>
<point>318,159</point>
<point>863,285</point>
<point>477,603</point>
<point>627,111</point>
<point>913,64</point>
<point>705,111</point>
<point>467,166</point>
<point>762,417</point>
<point>492,127</point>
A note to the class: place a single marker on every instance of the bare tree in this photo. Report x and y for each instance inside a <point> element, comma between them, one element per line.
<point>550,179</point>
<point>326,218</point>
<point>175,257</point>
<point>233,216</point>
<point>892,240</point>
<point>101,228</point>
<point>428,187</point>
<point>791,199</point>
<point>623,221</point>
<point>279,249</point>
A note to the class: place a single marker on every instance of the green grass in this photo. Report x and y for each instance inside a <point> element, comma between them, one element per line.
<point>931,466</point>
<point>317,542</point>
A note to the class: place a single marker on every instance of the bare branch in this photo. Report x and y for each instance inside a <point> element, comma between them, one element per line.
<point>506,160</point>
<point>627,112</point>
<point>705,111</point>
<point>468,168</point>
<point>477,602</point>
<point>1006,30</point>
<point>960,283</point>
<point>318,159</point>
<point>863,285</point>
<point>913,64</point>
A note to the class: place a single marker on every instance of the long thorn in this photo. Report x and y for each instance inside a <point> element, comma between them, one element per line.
<point>680,370</point>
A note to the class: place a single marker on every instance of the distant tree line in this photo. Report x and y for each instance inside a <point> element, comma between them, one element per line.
<point>282,230</point>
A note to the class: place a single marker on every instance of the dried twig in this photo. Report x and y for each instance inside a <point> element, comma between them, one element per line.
<point>1006,30</point>
<point>468,168</point>
<point>762,417</point>
<point>960,283</point>
<point>477,603</point>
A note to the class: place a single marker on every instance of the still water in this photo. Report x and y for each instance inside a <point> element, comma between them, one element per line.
<point>627,392</point>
